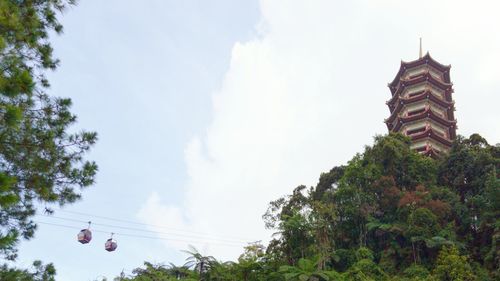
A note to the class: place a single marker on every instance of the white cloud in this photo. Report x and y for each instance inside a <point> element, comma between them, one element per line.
<point>309,91</point>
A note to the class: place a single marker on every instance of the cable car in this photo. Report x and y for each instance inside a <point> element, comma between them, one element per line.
<point>110,244</point>
<point>85,235</point>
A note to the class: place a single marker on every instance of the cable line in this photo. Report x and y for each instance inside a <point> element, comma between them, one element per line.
<point>143,230</point>
<point>152,225</point>
<point>140,236</point>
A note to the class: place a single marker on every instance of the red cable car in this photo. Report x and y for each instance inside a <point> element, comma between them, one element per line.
<point>110,244</point>
<point>85,235</point>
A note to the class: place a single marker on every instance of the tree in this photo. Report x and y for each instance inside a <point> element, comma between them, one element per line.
<point>471,171</point>
<point>365,268</point>
<point>155,272</point>
<point>422,226</point>
<point>39,272</point>
<point>178,271</point>
<point>250,261</point>
<point>41,160</point>
<point>451,266</point>
<point>306,270</point>
<point>290,215</point>
<point>200,263</point>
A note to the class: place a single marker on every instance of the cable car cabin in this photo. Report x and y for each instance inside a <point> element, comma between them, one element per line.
<point>84,236</point>
<point>110,245</point>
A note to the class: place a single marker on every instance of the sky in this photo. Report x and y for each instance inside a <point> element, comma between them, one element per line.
<point>208,110</point>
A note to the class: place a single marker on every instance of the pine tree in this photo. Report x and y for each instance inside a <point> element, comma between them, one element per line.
<point>40,160</point>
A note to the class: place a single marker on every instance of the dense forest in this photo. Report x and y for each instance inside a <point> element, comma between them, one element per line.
<point>389,214</point>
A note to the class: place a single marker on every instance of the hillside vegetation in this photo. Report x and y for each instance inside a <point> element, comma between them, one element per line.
<point>389,214</point>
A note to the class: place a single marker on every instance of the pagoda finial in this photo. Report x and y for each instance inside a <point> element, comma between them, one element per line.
<point>420,53</point>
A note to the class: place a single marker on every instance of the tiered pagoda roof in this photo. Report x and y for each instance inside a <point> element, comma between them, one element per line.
<point>421,105</point>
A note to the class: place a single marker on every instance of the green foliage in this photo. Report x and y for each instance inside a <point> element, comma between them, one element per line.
<point>389,214</point>
<point>39,272</point>
<point>450,265</point>
<point>365,270</point>
<point>307,270</point>
<point>40,159</point>
<point>416,273</point>
<point>156,272</point>
<point>364,253</point>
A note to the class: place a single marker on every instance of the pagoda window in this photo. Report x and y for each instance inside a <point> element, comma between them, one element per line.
<point>415,131</point>
<point>439,130</point>
<point>415,72</point>
<point>438,111</point>
<point>421,149</point>
<point>414,89</point>
<point>415,112</point>
<point>437,92</point>
<point>410,95</point>
<point>439,133</point>
<point>417,75</point>
<point>436,74</point>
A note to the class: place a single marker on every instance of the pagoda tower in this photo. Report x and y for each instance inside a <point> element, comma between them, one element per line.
<point>421,105</point>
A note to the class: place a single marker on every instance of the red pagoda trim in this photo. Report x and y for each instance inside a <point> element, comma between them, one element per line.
<point>428,113</point>
<point>421,96</point>
<point>430,133</point>
<point>428,150</point>
<point>427,59</point>
<point>431,152</point>
<point>447,87</point>
<point>447,101</point>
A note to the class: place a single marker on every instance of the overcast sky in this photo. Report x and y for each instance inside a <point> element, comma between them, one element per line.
<point>208,110</point>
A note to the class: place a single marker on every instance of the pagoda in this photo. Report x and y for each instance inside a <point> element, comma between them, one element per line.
<point>421,105</point>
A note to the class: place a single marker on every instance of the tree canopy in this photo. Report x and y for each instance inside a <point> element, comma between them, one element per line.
<point>388,214</point>
<point>41,157</point>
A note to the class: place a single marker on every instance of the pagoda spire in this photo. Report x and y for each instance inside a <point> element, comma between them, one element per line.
<point>420,52</point>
